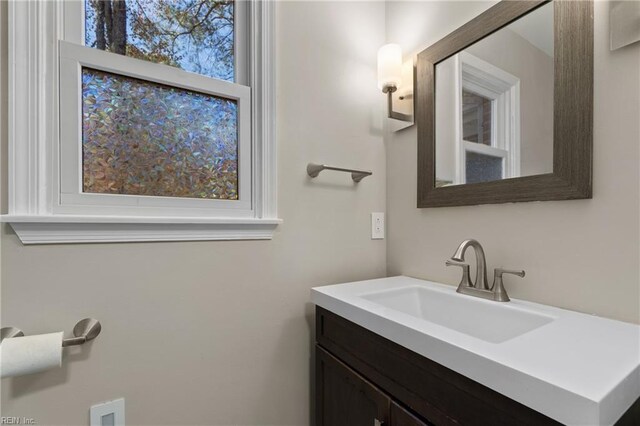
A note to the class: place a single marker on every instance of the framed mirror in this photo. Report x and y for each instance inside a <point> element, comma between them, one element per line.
<point>504,107</point>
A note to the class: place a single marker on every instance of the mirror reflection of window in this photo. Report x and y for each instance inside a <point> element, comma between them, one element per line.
<point>483,168</point>
<point>494,105</point>
<point>477,121</point>
<point>476,118</point>
<point>489,110</point>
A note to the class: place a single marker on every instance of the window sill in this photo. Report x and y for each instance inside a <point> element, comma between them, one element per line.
<point>50,229</point>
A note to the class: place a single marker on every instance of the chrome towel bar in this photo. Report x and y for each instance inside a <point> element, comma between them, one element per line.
<point>85,330</point>
<point>314,170</point>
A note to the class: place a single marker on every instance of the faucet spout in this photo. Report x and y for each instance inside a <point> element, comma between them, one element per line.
<point>481,264</point>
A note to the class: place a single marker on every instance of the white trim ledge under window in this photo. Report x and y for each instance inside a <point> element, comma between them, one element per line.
<point>34,158</point>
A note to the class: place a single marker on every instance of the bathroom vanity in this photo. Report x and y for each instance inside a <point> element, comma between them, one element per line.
<point>401,351</point>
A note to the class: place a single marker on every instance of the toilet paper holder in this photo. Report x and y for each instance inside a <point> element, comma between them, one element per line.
<point>85,330</point>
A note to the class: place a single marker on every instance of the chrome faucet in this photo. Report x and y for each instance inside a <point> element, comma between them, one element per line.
<point>480,287</point>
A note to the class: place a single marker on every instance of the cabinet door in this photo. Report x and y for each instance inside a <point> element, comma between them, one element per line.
<point>344,398</point>
<point>402,417</point>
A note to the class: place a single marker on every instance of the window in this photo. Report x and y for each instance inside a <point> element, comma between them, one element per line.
<point>483,167</point>
<point>489,122</point>
<point>477,117</point>
<point>154,120</point>
<point>144,138</point>
<point>483,161</point>
<point>193,35</point>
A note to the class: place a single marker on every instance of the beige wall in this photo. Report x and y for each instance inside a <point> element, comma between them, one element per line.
<point>581,255</point>
<point>219,333</point>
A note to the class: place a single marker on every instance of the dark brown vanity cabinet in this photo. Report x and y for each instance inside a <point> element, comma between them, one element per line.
<point>345,398</point>
<point>365,379</point>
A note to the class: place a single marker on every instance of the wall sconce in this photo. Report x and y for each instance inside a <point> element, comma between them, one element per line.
<point>390,77</point>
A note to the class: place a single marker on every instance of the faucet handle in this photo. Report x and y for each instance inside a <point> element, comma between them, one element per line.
<point>499,271</point>
<point>455,263</point>
<point>465,281</point>
<point>499,293</point>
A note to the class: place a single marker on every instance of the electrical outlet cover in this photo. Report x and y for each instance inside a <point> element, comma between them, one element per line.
<point>377,226</point>
<point>110,413</point>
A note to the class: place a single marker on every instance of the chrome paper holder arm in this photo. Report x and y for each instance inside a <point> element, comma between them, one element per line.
<point>85,330</point>
<point>314,170</point>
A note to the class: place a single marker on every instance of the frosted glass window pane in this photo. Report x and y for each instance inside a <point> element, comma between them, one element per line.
<point>483,168</point>
<point>143,138</point>
<point>194,35</point>
<point>476,118</point>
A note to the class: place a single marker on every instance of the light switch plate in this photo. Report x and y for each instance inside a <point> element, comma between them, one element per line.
<point>110,413</point>
<point>377,226</point>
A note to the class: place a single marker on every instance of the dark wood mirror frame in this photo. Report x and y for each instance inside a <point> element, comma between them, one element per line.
<point>572,109</point>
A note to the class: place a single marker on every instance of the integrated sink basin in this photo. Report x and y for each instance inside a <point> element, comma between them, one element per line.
<point>490,321</point>
<point>576,368</point>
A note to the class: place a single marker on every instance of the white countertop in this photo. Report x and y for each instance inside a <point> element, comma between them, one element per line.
<point>578,369</point>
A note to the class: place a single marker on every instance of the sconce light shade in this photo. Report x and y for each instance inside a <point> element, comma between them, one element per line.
<point>390,77</point>
<point>389,67</point>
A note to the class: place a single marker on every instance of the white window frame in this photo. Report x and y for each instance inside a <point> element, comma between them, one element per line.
<point>491,82</point>
<point>73,58</point>
<point>46,204</point>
